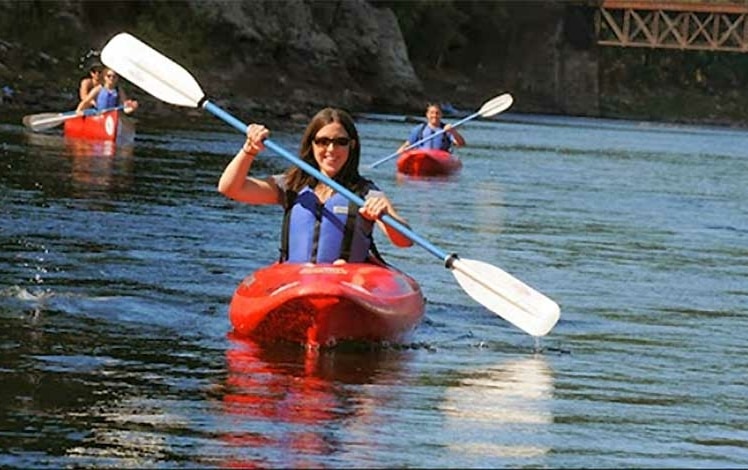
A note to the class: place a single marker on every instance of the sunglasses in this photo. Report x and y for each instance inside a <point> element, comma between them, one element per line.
<point>336,141</point>
<point>111,75</point>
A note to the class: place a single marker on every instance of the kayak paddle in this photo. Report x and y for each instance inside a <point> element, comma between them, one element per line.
<point>490,108</point>
<point>497,290</point>
<point>44,121</point>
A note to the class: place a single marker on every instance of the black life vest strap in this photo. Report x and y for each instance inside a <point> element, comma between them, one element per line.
<point>375,254</point>
<point>317,224</point>
<point>290,198</point>
<point>350,228</point>
<point>288,202</point>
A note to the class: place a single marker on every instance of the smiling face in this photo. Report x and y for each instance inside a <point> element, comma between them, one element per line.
<point>110,78</point>
<point>433,115</point>
<point>334,158</point>
<point>332,146</point>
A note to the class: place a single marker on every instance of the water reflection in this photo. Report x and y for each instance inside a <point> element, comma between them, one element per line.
<point>96,162</point>
<point>502,411</point>
<point>288,403</point>
<point>93,163</point>
<point>403,179</point>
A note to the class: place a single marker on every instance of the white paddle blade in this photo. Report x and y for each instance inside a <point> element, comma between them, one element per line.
<point>43,121</point>
<point>151,71</point>
<point>506,296</point>
<point>497,105</point>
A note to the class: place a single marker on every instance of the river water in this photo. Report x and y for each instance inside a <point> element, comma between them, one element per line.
<point>118,264</point>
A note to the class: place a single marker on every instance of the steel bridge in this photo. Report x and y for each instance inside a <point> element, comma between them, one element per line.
<point>710,26</point>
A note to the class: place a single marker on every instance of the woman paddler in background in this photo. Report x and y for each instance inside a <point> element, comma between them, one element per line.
<point>107,95</point>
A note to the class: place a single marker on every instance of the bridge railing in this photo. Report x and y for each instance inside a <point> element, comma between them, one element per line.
<point>673,25</point>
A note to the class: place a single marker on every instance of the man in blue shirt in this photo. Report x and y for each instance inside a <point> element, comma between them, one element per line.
<point>432,126</point>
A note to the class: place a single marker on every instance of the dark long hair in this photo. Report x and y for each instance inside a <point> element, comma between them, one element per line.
<point>348,176</point>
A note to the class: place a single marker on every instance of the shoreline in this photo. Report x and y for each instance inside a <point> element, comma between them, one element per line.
<point>153,112</point>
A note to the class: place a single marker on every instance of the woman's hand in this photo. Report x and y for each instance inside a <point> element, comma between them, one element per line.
<point>130,106</point>
<point>375,207</point>
<point>256,135</point>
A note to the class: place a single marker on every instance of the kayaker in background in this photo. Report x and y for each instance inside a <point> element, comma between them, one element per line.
<point>320,225</point>
<point>90,81</point>
<point>433,125</point>
<point>107,95</point>
<point>91,61</point>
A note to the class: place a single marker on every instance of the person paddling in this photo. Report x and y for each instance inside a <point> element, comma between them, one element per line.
<point>107,95</point>
<point>320,225</point>
<point>433,124</point>
<point>88,82</point>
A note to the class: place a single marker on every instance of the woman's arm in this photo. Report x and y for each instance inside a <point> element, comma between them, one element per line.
<point>129,105</point>
<point>89,100</point>
<point>235,182</point>
<point>85,88</point>
<point>374,208</point>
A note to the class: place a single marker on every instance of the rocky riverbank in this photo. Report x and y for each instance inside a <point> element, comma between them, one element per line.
<point>285,59</point>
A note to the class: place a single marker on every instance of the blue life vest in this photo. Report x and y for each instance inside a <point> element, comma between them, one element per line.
<point>322,233</point>
<point>443,142</point>
<point>107,98</point>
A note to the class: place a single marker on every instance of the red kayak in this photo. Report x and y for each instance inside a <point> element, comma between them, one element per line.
<point>428,162</point>
<point>324,304</point>
<point>112,125</point>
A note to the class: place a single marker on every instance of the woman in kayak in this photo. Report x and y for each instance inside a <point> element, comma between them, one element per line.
<point>107,95</point>
<point>433,125</point>
<point>90,81</point>
<point>320,225</point>
<point>91,61</point>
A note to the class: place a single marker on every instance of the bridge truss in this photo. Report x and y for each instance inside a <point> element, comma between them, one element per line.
<point>673,25</point>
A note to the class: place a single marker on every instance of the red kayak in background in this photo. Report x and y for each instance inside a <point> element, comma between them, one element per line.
<point>325,304</point>
<point>428,162</point>
<point>111,125</point>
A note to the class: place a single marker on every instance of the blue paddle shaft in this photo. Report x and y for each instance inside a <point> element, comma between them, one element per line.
<point>94,111</point>
<point>388,219</point>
